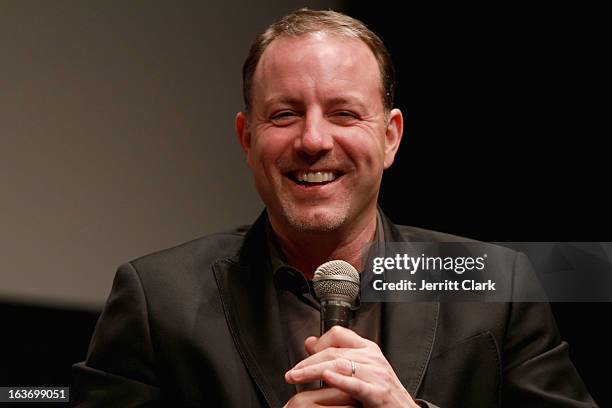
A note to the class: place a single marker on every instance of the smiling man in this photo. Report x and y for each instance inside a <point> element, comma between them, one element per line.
<point>318,135</point>
<point>231,319</point>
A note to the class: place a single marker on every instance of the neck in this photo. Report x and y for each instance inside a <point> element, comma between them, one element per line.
<point>307,250</point>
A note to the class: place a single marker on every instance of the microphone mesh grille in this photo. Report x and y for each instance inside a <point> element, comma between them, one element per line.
<point>336,278</point>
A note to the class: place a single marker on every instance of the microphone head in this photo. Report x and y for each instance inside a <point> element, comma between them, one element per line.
<point>336,280</point>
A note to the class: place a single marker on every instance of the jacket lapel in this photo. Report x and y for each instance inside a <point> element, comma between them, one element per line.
<point>250,305</point>
<point>408,330</point>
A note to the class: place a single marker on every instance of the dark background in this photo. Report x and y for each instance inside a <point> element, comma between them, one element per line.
<point>505,136</point>
<point>504,141</point>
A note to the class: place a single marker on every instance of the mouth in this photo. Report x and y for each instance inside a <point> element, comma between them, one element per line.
<point>314,178</point>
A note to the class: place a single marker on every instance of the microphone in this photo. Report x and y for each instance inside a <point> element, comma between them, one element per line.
<point>336,284</point>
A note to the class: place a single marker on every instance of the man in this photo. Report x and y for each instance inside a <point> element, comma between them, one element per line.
<point>230,319</point>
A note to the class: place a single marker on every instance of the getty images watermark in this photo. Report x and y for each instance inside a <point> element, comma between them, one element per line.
<point>477,271</point>
<point>411,265</point>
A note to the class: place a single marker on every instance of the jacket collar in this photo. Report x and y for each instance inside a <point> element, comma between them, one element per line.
<point>246,287</point>
<point>248,295</point>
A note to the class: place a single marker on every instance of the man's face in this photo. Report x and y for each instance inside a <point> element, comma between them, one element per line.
<point>317,138</point>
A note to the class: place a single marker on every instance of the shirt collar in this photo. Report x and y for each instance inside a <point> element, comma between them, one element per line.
<point>292,279</point>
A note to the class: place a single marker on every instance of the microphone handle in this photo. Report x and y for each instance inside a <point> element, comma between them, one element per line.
<point>334,313</point>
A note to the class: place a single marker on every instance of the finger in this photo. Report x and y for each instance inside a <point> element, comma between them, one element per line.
<point>359,389</point>
<point>325,355</point>
<point>370,373</point>
<point>322,396</point>
<point>310,373</point>
<point>330,396</point>
<point>353,405</point>
<point>339,336</point>
<point>309,345</point>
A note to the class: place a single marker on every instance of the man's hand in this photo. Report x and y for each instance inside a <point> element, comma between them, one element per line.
<point>323,397</point>
<point>354,365</point>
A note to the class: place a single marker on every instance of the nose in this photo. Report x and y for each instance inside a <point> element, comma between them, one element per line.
<point>314,139</point>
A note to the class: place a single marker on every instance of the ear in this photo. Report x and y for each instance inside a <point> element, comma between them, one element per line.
<point>393,136</point>
<point>243,132</point>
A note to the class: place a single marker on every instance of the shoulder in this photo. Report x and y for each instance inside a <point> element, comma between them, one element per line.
<point>474,261</point>
<point>175,283</point>
<point>187,268</point>
<point>416,234</point>
<point>203,250</point>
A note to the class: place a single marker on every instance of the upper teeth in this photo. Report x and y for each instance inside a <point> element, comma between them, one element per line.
<point>316,177</point>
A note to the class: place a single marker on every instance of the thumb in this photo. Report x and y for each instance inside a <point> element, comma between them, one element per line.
<point>309,344</point>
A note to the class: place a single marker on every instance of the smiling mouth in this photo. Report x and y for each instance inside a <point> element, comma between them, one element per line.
<point>314,178</point>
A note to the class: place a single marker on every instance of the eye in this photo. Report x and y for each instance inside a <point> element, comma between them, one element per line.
<point>284,118</point>
<point>344,117</point>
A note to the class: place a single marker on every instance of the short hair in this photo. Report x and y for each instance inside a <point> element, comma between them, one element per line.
<point>305,21</point>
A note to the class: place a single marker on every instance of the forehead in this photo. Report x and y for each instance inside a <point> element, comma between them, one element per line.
<point>317,63</point>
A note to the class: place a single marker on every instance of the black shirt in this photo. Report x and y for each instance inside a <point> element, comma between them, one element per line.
<point>300,308</point>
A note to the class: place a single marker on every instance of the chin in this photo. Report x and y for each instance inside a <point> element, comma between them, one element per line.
<point>316,219</point>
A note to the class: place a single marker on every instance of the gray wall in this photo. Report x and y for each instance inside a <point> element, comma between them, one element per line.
<point>116,136</point>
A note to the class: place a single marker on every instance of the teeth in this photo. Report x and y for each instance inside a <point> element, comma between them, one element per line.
<point>315,177</point>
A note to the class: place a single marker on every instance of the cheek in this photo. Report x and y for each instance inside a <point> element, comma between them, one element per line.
<point>366,151</point>
<point>268,150</point>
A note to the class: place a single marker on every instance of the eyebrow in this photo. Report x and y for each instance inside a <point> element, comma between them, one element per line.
<point>339,100</point>
<point>348,100</point>
<point>283,100</point>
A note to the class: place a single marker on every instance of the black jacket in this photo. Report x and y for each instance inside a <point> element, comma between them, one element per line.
<point>197,325</point>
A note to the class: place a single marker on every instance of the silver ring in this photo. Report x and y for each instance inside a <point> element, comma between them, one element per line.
<point>353,368</point>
